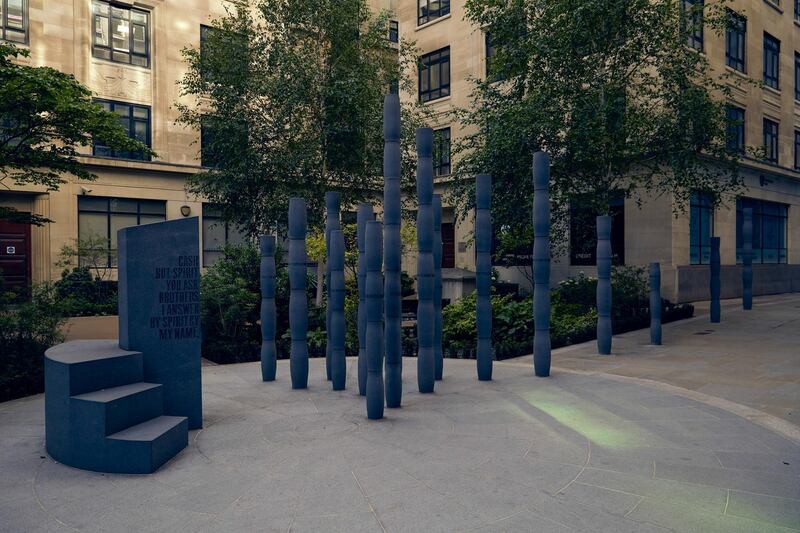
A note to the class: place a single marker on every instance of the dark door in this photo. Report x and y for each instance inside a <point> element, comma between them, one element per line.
<point>448,245</point>
<point>15,255</point>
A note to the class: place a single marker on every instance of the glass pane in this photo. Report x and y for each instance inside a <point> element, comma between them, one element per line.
<point>122,110</point>
<point>102,53</point>
<point>90,203</point>
<point>140,112</point>
<point>435,83</point>
<point>694,255</point>
<point>15,14</point>
<point>211,211</point>
<point>153,207</point>
<point>101,8</point>
<point>140,131</point>
<point>149,219</point>
<point>117,12</point>
<point>446,73</point>
<point>138,17</point>
<point>139,61</point>
<point>92,225</point>
<point>100,30</point>
<point>123,205</point>
<point>771,234</point>
<point>705,229</point>
<point>139,39</point>
<point>122,57</point>
<point>235,235</point>
<point>694,226</point>
<point>213,234</point>
<point>706,256</point>
<point>117,223</point>
<point>210,257</point>
<point>120,32</point>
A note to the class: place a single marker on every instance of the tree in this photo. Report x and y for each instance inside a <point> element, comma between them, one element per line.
<point>45,116</point>
<point>288,97</point>
<point>612,91</point>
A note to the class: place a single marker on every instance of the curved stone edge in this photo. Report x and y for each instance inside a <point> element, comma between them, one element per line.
<point>765,420</point>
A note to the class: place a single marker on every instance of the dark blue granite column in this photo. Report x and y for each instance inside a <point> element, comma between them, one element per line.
<point>747,258</point>
<point>364,215</point>
<point>604,284</point>
<point>298,300</point>
<point>374,290</point>
<point>541,264</point>
<point>483,274</point>
<point>332,200</point>
<point>437,287</point>
<point>336,293</point>
<point>269,354</point>
<point>426,364</point>
<point>655,304</point>
<point>714,281</point>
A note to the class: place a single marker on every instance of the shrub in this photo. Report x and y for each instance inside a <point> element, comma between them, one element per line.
<point>83,295</point>
<point>27,329</point>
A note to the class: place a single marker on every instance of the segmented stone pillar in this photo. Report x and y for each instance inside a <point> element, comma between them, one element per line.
<point>332,201</point>
<point>604,284</point>
<point>714,281</point>
<point>364,215</point>
<point>374,290</point>
<point>747,258</point>
<point>483,274</point>
<point>426,364</point>
<point>269,356</point>
<point>298,302</point>
<point>392,255</point>
<point>438,357</point>
<point>336,293</point>
<point>655,304</point>
<point>541,264</point>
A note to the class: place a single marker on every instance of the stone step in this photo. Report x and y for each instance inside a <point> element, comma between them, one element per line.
<point>143,448</point>
<point>111,410</point>
<point>78,367</point>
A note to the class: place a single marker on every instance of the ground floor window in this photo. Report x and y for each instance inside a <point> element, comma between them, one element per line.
<point>770,221</point>
<point>100,218</point>
<point>701,228</point>
<point>216,234</point>
<point>583,232</point>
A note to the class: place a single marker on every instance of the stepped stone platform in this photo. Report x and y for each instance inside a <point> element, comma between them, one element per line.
<point>573,452</point>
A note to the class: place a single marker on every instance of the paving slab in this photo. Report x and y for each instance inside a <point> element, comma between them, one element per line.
<point>574,452</point>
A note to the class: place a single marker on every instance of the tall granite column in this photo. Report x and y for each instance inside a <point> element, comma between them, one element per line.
<point>336,293</point>
<point>269,356</point>
<point>714,281</point>
<point>483,273</point>
<point>426,364</point>
<point>438,357</point>
<point>364,215</point>
<point>332,201</point>
<point>392,256</point>
<point>298,301</point>
<point>604,284</point>
<point>374,290</point>
<point>655,304</point>
<point>541,264</point>
<point>747,258</point>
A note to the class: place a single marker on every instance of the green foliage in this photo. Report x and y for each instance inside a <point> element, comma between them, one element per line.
<point>45,117</point>
<point>80,294</point>
<point>629,293</point>
<point>611,91</point>
<point>27,329</point>
<point>291,94</point>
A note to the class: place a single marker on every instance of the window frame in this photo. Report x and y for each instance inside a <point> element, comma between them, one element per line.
<point>132,120</point>
<point>739,32</point>
<point>442,90</point>
<point>772,148</point>
<point>759,216</point>
<point>394,31</point>
<point>772,62</point>
<point>5,28</point>
<point>738,127</point>
<point>442,11</point>
<point>109,212</point>
<point>702,204</point>
<point>797,74</point>
<point>442,166</point>
<point>694,39</point>
<point>145,56</point>
<point>797,150</point>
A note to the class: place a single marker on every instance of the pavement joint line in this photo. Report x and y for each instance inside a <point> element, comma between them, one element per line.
<point>608,489</point>
<point>727,501</point>
<point>39,501</point>
<point>632,509</point>
<point>583,468</point>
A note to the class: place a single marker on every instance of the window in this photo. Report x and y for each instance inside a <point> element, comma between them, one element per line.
<point>394,31</point>
<point>135,119</point>
<point>121,33</point>
<point>797,10</point>
<point>491,52</point>
<point>797,149</point>
<point>772,54</point>
<point>14,20</point>
<point>797,75</point>
<point>701,228</point>
<point>583,232</point>
<point>431,10</point>
<point>434,75</point>
<point>771,140</point>
<point>769,230</point>
<point>441,152</point>
<point>735,35</point>
<point>102,218</point>
<point>693,22</point>
<point>735,128</point>
<point>207,148</point>
<point>217,234</point>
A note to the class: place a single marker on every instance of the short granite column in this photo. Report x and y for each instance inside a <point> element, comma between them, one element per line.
<point>426,364</point>
<point>336,293</point>
<point>483,274</point>
<point>747,258</point>
<point>269,356</point>
<point>392,254</point>
<point>298,300</point>
<point>438,356</point>
<point>655,304</point>
<point>541,264</point>
<point>604,284</point>
<point>363,216</point>
<point>714,281</point>
<point>332,201</point>
<point>374,290</point>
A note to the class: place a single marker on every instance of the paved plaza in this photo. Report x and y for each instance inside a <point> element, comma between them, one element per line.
<point>575,452</point>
